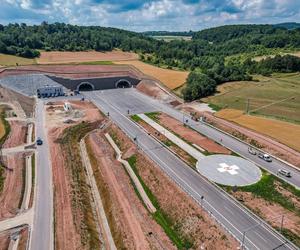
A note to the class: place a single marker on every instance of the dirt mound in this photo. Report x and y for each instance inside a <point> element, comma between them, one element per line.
<point>150,88</point>
<point>27,103</point>
<point>191,135</point>
<point>12,191</point>
<point>18,134</point>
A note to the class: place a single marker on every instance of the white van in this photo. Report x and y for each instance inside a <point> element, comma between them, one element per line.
<point>284,172</point>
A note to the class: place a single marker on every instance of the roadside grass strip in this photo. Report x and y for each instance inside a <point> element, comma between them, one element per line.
<point>5,134</point>
<point>160,216</point>
<point>172,137</point>
<point>267,189</point>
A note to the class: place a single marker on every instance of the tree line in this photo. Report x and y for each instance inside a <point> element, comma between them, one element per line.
<point>206,54</point>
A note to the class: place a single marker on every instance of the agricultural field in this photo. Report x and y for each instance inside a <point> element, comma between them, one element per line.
<point>280,90</point>
<point>171,38</point>
<point>281,131</point>
<point>57,57</point>
<point>171,78</point>
<point>10,60</point>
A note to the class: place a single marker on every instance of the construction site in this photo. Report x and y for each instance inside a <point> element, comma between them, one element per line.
<point>119,162</point>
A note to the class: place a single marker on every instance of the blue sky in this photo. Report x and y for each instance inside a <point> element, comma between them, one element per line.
<point>139,15</point>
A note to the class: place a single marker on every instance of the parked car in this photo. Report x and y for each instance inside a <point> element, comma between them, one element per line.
<point>39,141</point>
<point>284,172</point>
<point>251,151</point>
<point>265,157</point>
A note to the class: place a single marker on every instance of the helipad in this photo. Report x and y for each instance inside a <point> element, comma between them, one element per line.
<point>229,170</point>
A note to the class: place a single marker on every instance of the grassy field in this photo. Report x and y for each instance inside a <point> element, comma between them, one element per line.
<point>280,90</point>
<point>284,132</point>
<point>171,38</point>
<point>9,60</point>
<point>171,78</point>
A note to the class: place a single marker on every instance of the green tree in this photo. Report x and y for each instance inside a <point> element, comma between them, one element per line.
<point>198,85</point>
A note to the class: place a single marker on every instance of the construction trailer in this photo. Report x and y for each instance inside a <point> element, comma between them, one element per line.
<point>50,91</point>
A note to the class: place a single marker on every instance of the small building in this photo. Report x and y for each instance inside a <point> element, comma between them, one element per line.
<point>50,91</point>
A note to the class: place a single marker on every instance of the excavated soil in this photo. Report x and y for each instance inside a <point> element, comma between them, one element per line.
<point>18,134</point>
<point>11,195</point>
<point>66,236</point>
<point>191,221</point>
<point>23,239</point>
<point>8,95</point>
<point>4,240</point>
<point>271,212</point>
<point>191,135</point>
<point>132,222</point>
<point>179,151</point>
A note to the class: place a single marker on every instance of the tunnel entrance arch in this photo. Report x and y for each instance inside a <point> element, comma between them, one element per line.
<point>85,86</point>
<point>123,83</point>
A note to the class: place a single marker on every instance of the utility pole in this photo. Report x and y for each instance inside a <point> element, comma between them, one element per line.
<point>248,106</point>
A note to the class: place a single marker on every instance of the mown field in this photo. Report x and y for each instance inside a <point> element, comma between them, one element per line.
<point>9,60</point>
<point>171,78</point>
<point>280,90</point>
<point>284,132</point>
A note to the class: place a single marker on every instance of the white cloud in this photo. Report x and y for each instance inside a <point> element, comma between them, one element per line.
<point>155,14</point>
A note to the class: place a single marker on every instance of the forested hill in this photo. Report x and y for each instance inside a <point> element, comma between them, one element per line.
<point>267,35</point>
<point>213,54</point>
<point>24,40</point>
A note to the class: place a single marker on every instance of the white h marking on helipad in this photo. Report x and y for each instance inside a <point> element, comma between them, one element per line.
<point>226,168</point>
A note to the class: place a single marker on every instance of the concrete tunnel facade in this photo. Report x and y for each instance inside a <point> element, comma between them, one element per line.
<point>89,84</point>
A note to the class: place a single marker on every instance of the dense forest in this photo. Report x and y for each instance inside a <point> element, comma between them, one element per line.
<point>211,52</point>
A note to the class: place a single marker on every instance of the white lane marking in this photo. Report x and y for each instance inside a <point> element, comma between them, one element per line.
<point>256,219</point>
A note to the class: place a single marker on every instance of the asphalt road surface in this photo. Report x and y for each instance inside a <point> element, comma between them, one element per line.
<point>135,97</point>
<point>238,220</point>
<point>42,231</point>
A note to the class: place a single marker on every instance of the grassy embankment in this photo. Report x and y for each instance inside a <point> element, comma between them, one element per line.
<point>160,216</point>
<point>268,188</point>
<point>4,132</point>
<point>97,63</point>
<point>10,60</point>
<point>81,197</point>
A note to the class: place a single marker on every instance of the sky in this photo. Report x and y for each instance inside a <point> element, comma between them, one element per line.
<point>139,15</point>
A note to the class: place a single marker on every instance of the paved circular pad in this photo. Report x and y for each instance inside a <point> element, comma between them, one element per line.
<point>229,170</point>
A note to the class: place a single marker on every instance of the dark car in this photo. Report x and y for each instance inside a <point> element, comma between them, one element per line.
<point>39,141</point>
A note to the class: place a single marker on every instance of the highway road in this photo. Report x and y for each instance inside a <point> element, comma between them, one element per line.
<point>216,135</point>
<point>42,231</point>
<point>235,218</point>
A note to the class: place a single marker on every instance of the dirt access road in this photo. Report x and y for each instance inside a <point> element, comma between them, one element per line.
<point>67,235</point>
